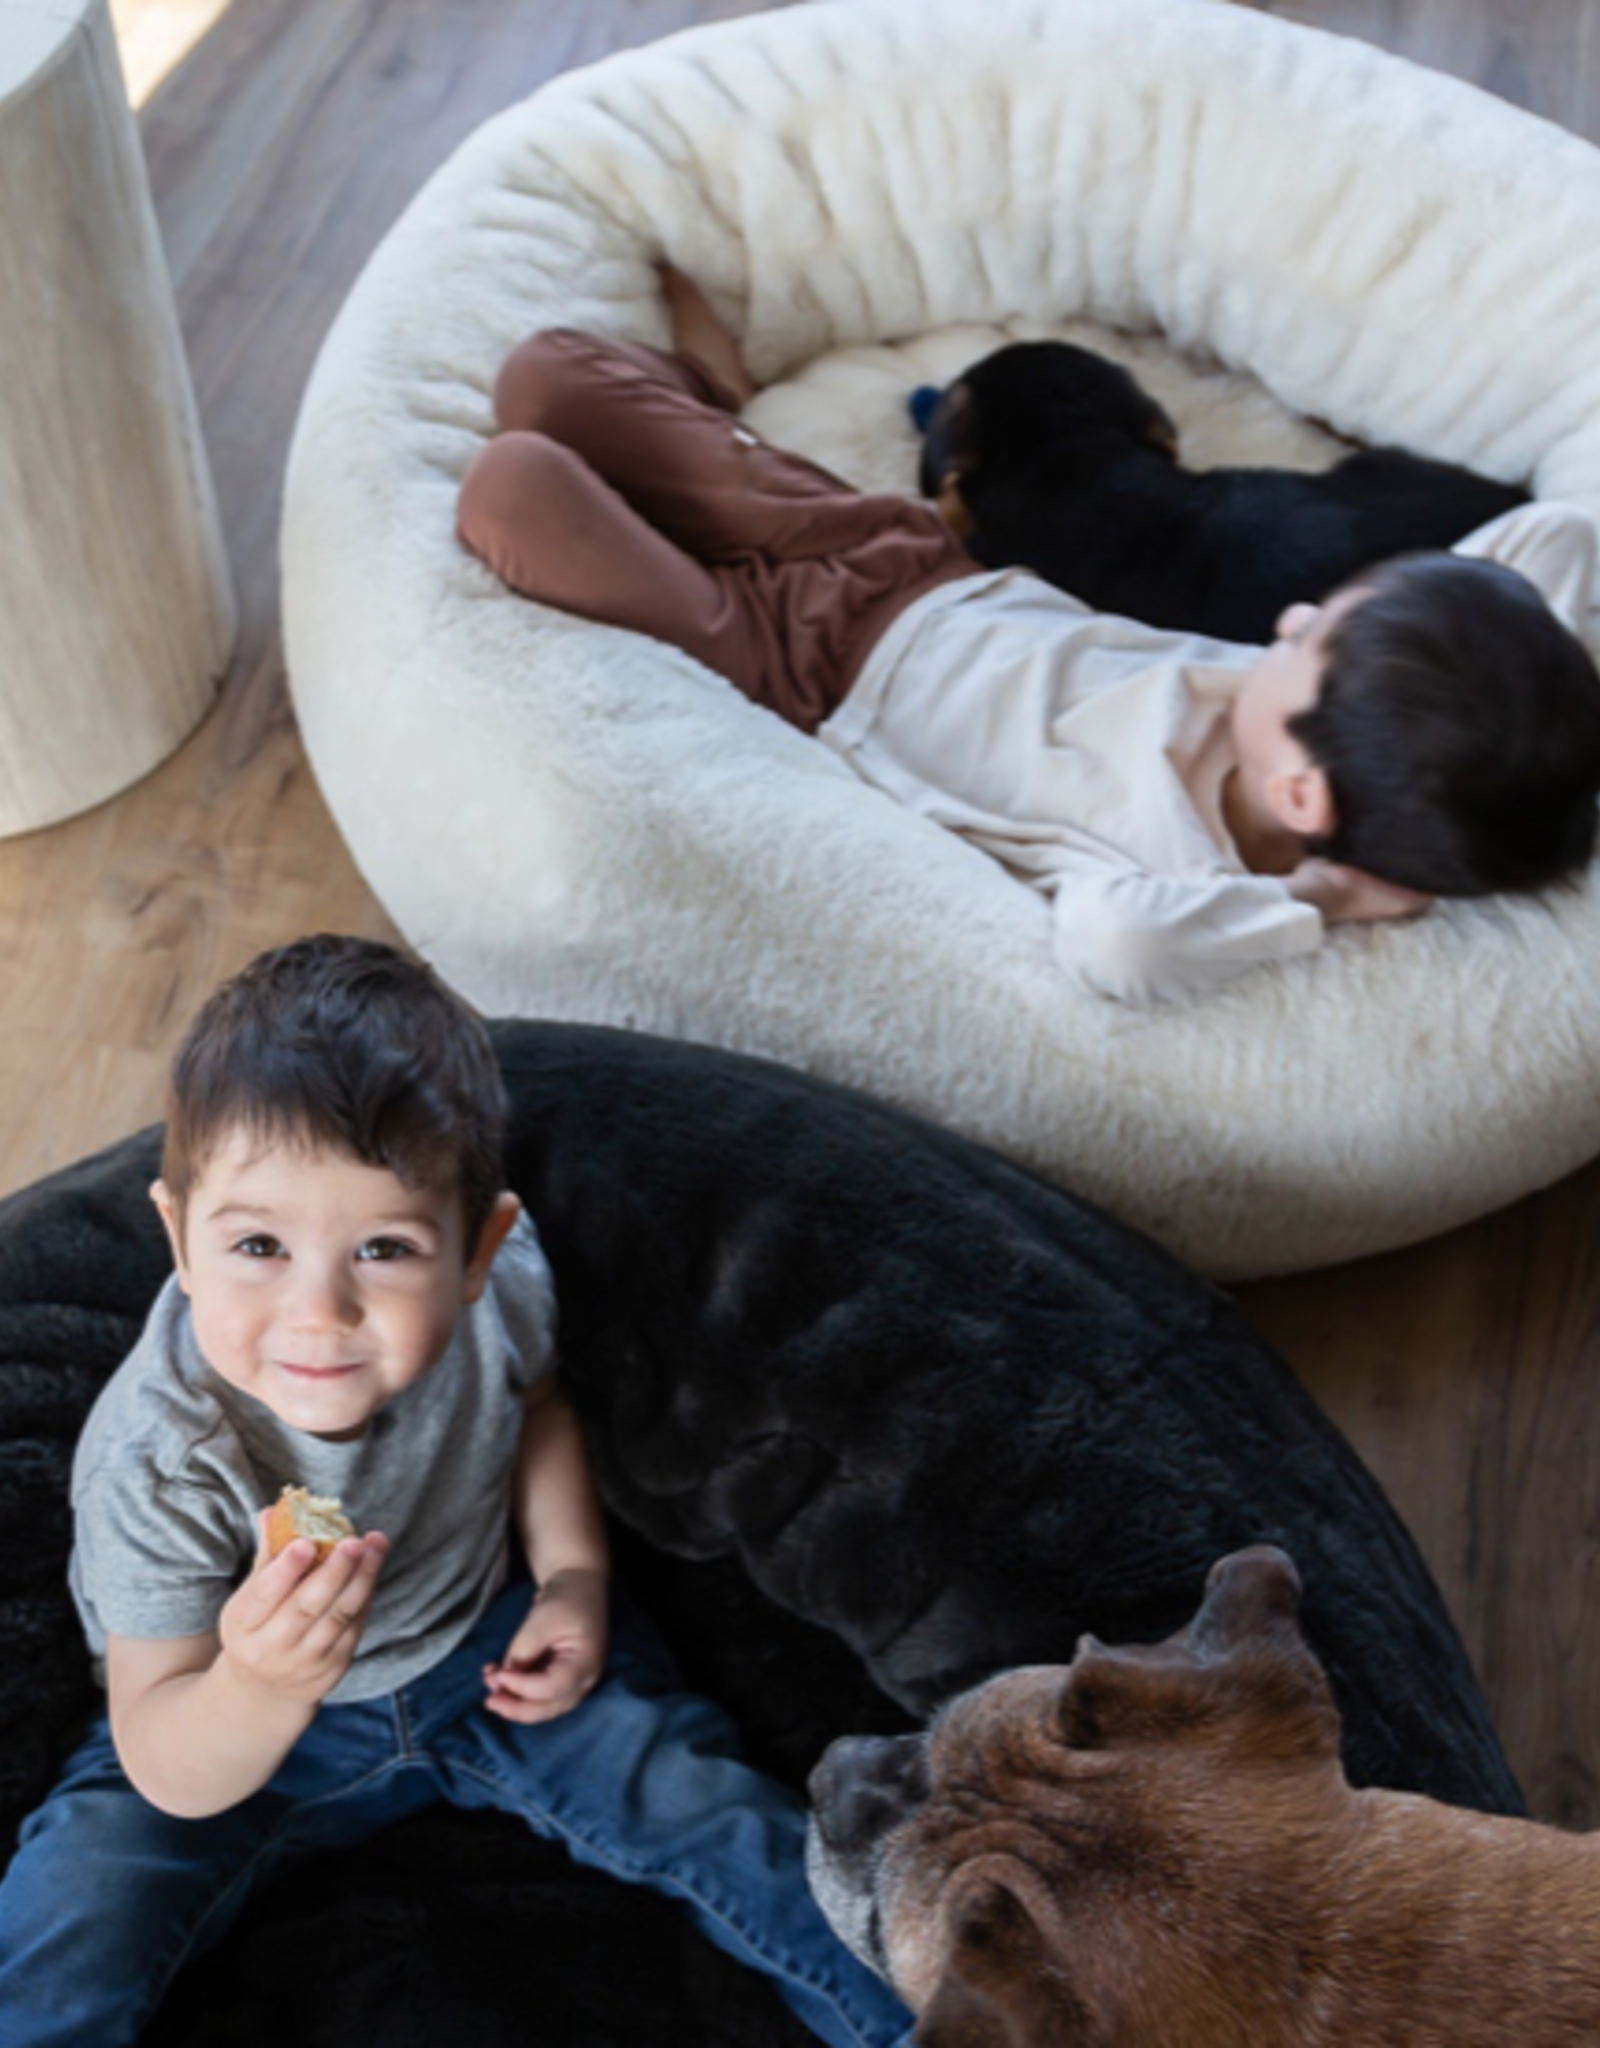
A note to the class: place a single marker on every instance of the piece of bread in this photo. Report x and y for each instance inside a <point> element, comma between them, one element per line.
<point>298,1513</point>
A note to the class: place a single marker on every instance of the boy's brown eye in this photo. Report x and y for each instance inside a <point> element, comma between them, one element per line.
<point>260,1246</point>
<point>383,1248</point>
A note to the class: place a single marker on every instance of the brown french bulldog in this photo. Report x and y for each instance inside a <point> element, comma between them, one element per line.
<point>1158,1846</point>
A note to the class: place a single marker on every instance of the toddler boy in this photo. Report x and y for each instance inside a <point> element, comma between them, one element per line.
<point>1191,807</point>
<point>358,1307</point>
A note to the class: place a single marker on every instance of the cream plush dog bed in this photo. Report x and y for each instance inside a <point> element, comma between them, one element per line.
<point>574,821</point>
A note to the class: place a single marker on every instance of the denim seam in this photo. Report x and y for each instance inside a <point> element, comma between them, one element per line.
<point>402,1726</point>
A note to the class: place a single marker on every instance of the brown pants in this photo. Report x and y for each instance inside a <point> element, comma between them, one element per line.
<point>622,489</point>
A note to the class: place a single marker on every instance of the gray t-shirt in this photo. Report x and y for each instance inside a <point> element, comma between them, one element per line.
<point>174,1463</point>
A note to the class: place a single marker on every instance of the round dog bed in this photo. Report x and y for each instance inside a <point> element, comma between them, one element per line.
<point>877,1415</point>
<point>575,821</point>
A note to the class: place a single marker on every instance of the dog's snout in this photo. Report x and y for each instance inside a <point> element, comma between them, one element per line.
<point>863,1785</point>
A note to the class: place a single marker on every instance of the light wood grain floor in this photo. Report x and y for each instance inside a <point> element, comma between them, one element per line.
<point>281,146</point>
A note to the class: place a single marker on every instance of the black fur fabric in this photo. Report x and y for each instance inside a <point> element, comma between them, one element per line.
<point>876,1414</point>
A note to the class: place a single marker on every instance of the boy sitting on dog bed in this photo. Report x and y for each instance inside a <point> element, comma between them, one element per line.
<point>358,1305</point>
<point>1194,807</point>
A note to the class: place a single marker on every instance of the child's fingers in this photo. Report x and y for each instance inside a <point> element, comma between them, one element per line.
<point>531,1647</point>
<point>533,1692</point>
<point>543,1640</point>
<point>271,1583</point>
<point>1379,898</point>
<point>335,1594</point>
<point>526,1682</point>
<point>536,1696</point>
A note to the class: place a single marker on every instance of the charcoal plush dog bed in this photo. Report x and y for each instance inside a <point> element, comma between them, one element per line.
<point>1270,223</point>
<point>876,1413</point>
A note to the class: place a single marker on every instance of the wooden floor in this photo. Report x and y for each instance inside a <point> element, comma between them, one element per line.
<point>280,148</point>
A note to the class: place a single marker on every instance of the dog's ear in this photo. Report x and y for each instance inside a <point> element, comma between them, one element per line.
<point>953,429</point>
<point>1252,1596</point>
<point>1129,1698</point>
<point>947,451</point>
<point>1000,1988</point>
<point>1248,1628</point>
<point>1092,1701</point>
<point>1241,1662</point>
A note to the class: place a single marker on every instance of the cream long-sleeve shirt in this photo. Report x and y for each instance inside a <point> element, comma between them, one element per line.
<point>1088,753</point>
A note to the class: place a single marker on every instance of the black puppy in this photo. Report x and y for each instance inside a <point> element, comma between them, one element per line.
<point>1062,463</point>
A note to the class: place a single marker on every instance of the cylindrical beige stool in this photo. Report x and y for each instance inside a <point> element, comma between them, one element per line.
<point>116,611</point>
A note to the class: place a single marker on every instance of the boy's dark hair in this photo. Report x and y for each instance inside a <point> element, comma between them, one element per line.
<point>1458,724</point>
<point>348,1045</point>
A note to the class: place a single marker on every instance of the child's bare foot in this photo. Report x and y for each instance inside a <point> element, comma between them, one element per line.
<point>697,332</point>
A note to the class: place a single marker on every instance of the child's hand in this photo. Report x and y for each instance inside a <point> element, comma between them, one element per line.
<point>558,1653</point>
<point>1347,895</point>
<point>294,1625</point>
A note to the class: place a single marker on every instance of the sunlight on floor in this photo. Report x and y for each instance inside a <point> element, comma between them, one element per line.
<point>154,37</point>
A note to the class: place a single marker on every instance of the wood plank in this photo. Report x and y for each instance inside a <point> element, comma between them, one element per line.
<point>1467,1371</point>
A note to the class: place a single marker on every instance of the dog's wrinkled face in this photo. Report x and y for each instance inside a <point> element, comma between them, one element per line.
<point>1009,1869</point>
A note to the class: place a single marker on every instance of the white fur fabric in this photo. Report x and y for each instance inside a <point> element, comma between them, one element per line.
<point>573,821</point>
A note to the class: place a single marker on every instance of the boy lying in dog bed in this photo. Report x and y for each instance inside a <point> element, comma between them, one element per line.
<point>917,1417</point>
<point>1194,808</point>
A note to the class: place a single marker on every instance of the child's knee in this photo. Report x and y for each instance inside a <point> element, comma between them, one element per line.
<point>505,490</point>
<point>529,508</point>
<point>540,375</point>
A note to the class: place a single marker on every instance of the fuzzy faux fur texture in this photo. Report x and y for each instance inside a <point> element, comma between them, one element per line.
<point>1272,224</point>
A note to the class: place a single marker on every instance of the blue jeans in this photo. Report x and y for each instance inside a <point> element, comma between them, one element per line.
<point>107,1897</point>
